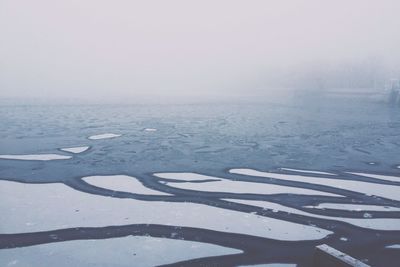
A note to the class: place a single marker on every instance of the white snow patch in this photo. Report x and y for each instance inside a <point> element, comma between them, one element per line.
<point>75,150</point>
<point>376,224</point>
<point>229,186</point>
<point>378,176</point>
<point>55,206</point>
<point>121,183</point>
<point>381,190</point>
<point>396,246</point>
<point>353,207</point>
<point>103,136</point>
<point>150,130</point>
<point>139,250</point>
<point>41,157</point>
<point>307,171</point>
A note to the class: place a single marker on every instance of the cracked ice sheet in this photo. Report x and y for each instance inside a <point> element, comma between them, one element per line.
<point>238,187</point>
<point>121,183</point>
<point>41,157</point>
<point>103,136</point>
<point>376,224</point>
<point>381,190</point>
<point>353,207</point>
<point>41,207</point>
<point>75,150</point>
<point>137,250</point>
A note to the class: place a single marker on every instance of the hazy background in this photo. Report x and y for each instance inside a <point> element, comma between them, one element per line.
<point>139,50</point>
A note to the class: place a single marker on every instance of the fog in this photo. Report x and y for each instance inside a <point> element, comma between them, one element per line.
<point>136,50</point>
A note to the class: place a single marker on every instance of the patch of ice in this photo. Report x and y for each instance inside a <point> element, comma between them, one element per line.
<point>353,207</point>
<point>121,183</point>
<point>53,206</point>
<point>75,150</point>
<point>41,157</point>
<point>381,190</point>
<point>396,246</point>
<point>125,251</point>
<point>229,186</point>
<point>103,136</point>
<point>376,224</point>
<point>150,130</point>
<point>378,176</point>
<point>307,171</point>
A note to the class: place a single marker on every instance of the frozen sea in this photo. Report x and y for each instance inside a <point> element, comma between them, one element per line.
<point>222,184</point>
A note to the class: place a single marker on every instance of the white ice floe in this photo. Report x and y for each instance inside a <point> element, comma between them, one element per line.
<point>381,190</point>
<point>125,251</point>
<point>57,206</point>
<point>396,246</point>
<point>103,136</point>
<point>378,176</point>
<point>229,186</point>
<point>150,130</point>
<point>121,183</point>
<point>75,150</point>
<point>41,157</point>
<point>353,207</point>
<point>307,171</point>
<point>370,223</point>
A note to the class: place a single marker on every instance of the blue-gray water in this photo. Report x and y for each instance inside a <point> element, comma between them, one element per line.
<point>333,135</point>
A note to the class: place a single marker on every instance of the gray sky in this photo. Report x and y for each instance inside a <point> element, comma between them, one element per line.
<point>129,49</point>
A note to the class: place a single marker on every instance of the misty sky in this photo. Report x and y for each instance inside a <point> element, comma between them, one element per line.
<point>128,49</point>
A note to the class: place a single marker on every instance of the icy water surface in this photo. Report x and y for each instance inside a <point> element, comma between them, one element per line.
<point>205,184</point>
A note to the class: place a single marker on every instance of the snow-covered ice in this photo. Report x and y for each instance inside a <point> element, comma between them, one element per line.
<point>307,171</point>
<point>103,136</point>
<point>381,190</point>
<point>121,183</point>
<point>378,176</point>
<point>353,207</point>
<point>125,251</point>
<point>37,203</point>
<point>238,187</point>
<point>370,223</point>
<point>41,157</point>
<point>75,150</point>
<point>185,176</point>
<point>150,129</point>
<point>396,246</point>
